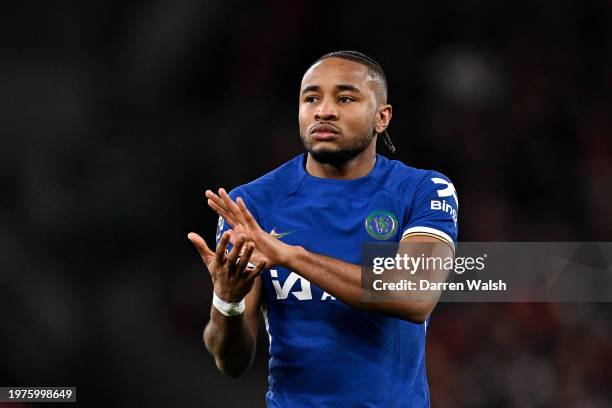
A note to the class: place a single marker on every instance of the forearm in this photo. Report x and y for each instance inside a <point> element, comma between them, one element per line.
<point>231,341</point>
<point>343,281</point>
<point>340,279</point>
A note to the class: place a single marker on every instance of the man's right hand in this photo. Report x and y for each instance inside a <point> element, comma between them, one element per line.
<point>231,279</point>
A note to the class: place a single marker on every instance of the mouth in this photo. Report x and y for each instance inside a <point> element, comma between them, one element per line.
<point>324,136</point>
<point>324,132</point>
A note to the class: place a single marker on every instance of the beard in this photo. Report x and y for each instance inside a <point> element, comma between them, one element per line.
<point>337,157</point>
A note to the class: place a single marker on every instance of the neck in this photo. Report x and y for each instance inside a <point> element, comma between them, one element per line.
<point>359,166</point>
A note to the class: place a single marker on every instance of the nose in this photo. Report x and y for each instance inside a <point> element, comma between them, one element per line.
<point>326,110</point>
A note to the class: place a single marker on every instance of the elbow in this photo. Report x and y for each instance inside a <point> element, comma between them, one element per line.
<point>233,374</point>
<point>231,367</point>
<point>229,360</point>
<point>417,312</point>
<point>417,318</point>
<point>233,371</point>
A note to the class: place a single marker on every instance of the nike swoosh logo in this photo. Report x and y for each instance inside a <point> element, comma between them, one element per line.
<point>279,235</point>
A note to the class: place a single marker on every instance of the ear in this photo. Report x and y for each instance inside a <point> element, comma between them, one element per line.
<point>383,117</point>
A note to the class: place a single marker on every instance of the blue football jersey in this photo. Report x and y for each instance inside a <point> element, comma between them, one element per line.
<point>323,352</point>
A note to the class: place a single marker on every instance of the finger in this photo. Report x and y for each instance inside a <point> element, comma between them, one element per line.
<point>236,250</point>
<point>261,265</point>
<point>222,212</point>
<point>222,247</point>
<point>210,194</point>
<point>233,236</point>
<point>255,258</point>
<point>216,199</point>
<point>230,205</point>
<point>200,245</point>
<point>245,257</point>
<point>246,214</point>
<point>221,207</point>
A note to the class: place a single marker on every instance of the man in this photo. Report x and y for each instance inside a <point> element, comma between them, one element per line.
<point>327,346</point>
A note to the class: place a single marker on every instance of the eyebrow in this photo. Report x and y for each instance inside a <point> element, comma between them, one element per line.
<point>339,87</point>
<point>350,88</point>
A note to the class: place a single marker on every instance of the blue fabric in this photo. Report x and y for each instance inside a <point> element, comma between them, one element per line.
<point>323,352</point>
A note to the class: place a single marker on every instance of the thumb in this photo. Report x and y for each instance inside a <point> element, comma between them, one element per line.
<point>201,246</point>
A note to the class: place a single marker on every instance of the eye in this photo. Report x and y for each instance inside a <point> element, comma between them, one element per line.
<point>345,99</point>
<point>310,99</point>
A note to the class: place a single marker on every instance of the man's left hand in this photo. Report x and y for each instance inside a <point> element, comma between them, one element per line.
<point>274,251</point>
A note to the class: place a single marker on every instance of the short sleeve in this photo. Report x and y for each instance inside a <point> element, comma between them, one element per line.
<point>434,209</point>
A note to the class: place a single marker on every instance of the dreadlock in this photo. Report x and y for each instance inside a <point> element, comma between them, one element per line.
<point>374,69</point>
<point>387,139</point>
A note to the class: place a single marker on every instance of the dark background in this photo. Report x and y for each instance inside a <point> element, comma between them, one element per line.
<point>116,116</point>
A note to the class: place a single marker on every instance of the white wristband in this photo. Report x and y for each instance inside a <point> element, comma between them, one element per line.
<point>228,308</point>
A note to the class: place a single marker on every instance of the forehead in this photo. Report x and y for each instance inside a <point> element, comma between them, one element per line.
<point>333,71</point>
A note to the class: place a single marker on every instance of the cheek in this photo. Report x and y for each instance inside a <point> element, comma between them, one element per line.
<point>305,116</point>
<point>361,119</point>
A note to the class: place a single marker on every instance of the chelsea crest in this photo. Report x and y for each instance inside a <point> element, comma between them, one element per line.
<point>381,225</point>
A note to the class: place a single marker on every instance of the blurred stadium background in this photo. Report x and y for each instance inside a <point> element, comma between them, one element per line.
<point>115,116</point>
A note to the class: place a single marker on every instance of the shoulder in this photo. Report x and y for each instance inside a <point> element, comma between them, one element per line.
<point>274,185</point>
<point>406,179</point>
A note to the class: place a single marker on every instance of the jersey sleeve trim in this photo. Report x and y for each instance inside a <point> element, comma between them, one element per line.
<point>428,231</point>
